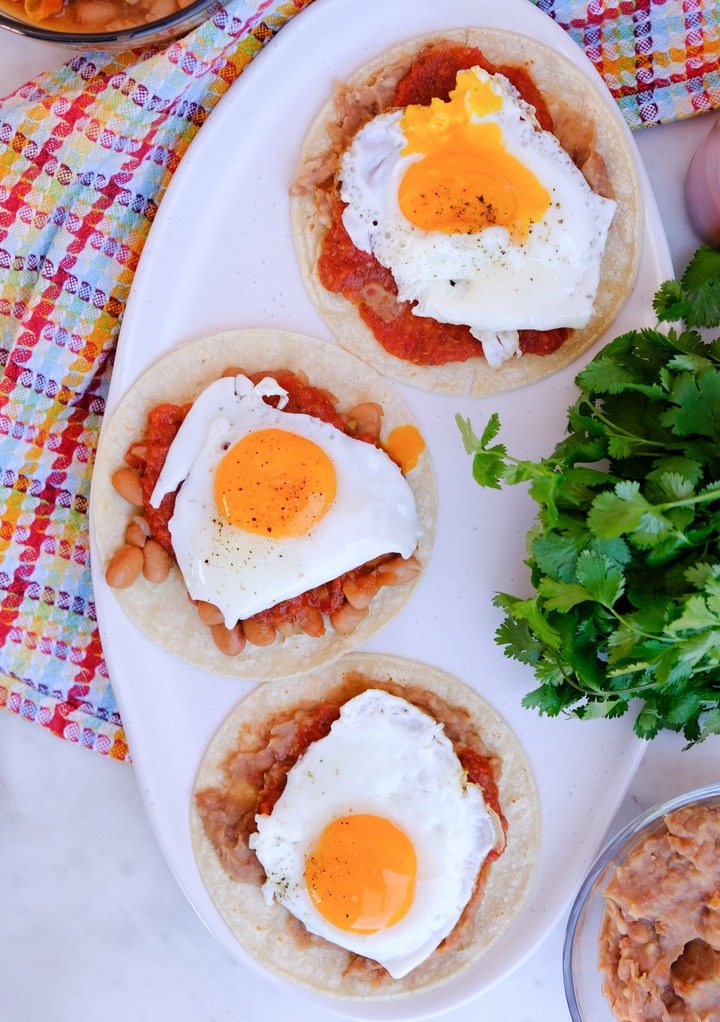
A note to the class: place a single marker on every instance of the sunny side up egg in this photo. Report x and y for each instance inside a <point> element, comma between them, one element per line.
<point>483,218</point>
<point>275,503</point>
<point>377,839</point>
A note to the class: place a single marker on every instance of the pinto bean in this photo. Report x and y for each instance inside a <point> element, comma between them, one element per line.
<point>126,483</point>
<point>124,567</point>
<point>259,633</point>
<point>398,571</point>
<point>161,9</point>
<point>93,13</point>
<point>310,621</point>
<point>136,533</point>
<point>156,562</point>
<point>359,592</point>
<point>347,618</point>
<point>209,613</point>
<point>286,629</point>
<point>233,371</point>
<point>39,10</point>
<point>229,641</point>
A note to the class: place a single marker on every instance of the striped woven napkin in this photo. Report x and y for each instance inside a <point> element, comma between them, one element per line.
<point>659,58</point>
<point>86,153</point>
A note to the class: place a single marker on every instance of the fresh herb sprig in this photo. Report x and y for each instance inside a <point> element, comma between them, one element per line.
<point>625,553</point>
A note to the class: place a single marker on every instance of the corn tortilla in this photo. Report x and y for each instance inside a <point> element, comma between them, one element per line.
<point>164,611</point>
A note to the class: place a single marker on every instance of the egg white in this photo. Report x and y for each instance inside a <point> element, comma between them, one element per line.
<point>241,573</point>
<point>387,758</point>
<point>484,280</point>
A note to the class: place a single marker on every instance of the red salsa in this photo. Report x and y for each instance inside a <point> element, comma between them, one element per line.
<point>361,279</point>
<point>148,458</point>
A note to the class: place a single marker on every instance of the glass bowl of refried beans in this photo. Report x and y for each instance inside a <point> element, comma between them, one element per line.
<point>642,942</point>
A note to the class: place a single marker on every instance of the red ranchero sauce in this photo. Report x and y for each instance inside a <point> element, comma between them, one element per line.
<point>345,269</point>
<point>148,458</point>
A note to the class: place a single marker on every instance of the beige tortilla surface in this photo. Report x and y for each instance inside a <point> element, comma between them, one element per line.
<point>164,611</point>
<point>565,89</point>
<point>262,929</point>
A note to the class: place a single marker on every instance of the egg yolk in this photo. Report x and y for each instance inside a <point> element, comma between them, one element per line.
<point>274,483</point>
<point>404,445</point>
<point>466,180</point>
<point>361,873</point>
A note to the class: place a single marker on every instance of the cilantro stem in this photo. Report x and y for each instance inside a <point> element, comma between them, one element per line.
<point>584,690</point>
<point>614,430</point>
<point>702,498</point>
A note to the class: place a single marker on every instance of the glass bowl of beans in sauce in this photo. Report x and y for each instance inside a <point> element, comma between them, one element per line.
<point>104,24</point>
<point>642,942</point>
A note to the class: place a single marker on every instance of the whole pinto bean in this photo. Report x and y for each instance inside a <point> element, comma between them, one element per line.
<point>124,567</point>
<point>310,621</point>
<point>137,532</point>
<point>398,571</point>
<point>126,483</point>
<point>258,633</point>
<point>347,618</point>
<point>229,641</point>
<point>209,613</point>
<point>156,562</point>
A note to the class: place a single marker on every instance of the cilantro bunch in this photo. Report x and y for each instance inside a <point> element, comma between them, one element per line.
<point>625,554</point>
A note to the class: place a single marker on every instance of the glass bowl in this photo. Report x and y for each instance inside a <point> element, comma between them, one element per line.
<point>582,977</point>
<point>173,23</point>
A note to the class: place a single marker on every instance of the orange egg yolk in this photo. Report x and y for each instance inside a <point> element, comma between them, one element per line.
<point>466,180</point>
<point>404,445</point>
<point>361,873</point>
<point>274,483</point>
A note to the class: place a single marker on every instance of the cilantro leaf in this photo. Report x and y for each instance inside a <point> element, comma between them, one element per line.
<point>619,511</point>
<point>671,303</point>
<point>602,579</point>
<point>701,281</point>
<point>695,405</point>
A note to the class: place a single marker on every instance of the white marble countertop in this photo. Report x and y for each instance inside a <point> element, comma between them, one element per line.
<point>93,924</point>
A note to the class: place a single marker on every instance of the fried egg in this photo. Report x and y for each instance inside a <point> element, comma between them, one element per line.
<point>274,503</point>
<point>377,839</point>
<point>483,218</point>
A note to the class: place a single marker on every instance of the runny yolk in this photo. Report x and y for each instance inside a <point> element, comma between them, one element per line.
<point>466,180</point>
<point>361,873</point>
<point>404,445</point>
<point>274,483</point>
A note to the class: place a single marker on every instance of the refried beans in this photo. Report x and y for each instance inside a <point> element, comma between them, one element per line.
<point>660,933</point>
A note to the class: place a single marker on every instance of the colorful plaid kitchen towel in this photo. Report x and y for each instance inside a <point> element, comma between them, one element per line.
<point>86,153</point>
<point>659,58</point>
